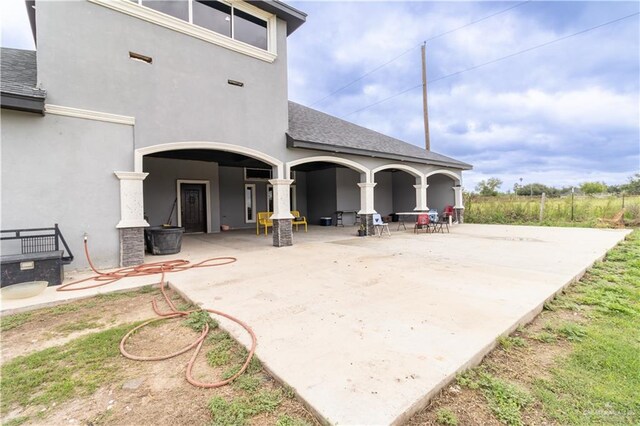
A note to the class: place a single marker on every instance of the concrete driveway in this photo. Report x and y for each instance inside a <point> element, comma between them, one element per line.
<point>366,330</point>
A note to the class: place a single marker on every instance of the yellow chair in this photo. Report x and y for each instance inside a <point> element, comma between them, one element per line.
<point>298,220</point>
<point>263,220</point>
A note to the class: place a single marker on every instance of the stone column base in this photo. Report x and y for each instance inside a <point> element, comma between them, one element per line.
<point>131,246</point>
<point>367,219</point>
<point>282,233</point>
<point>459,215</point>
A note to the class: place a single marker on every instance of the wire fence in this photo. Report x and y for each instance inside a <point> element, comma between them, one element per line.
<point>566,210</point>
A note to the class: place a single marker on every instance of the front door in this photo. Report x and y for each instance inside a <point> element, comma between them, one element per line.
<point>193,207</point>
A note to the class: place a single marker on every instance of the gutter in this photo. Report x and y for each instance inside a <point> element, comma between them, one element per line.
<point>24,103</point>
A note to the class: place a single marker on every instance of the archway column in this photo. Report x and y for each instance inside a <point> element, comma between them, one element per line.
<point>132,223</point>
<point>281,218</point>
<point>366,206</point>
<point>459,203</point>
<point>421,197</point>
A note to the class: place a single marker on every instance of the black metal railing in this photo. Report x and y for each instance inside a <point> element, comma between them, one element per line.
<point>39,240</point>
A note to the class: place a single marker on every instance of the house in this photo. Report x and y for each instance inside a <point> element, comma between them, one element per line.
<point>132,113</point>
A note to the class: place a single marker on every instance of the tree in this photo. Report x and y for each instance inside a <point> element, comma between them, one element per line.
<point>488,187</point>
<point>537,189</point>
<point>591,188</point>
<point>633,187</point>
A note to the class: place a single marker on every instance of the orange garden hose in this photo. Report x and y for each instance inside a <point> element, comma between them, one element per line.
<point>104,278</point>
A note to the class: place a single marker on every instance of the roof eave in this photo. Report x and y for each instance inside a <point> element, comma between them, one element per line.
<point>294,17</point>
<point>295,143</point>
<point>22,103</point>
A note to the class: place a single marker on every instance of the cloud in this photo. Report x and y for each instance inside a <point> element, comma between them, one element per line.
<point>560,114</point>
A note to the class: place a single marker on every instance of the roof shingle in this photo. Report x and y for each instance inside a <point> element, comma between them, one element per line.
<point>309,128</point>
<point>19,73</point>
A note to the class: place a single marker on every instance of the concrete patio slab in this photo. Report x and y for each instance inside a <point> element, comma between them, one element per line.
<point>366,330</point>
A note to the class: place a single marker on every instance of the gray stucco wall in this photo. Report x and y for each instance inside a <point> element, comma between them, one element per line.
<point>347,193</point>
<point>85,64</point>
<point>232,197</point>
<point>383,196</point>
<point>404,194</point>
<point>321,194</point>
<point>301,192</point>
<point>60,170</point>
<point>440,192</point>
<point>160,188</point>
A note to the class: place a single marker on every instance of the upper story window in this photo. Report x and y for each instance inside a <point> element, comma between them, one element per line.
<point>224,18</point>
<point>232,24</point>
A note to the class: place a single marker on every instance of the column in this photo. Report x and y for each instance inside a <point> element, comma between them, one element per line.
<point>366,206</point>
<point>421,197</point>
<point>132,223</point>
<point>281,218</point>
<point>459,204</point>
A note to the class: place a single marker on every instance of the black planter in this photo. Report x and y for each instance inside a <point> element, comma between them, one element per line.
<point>361,232</point>
<point>163,239</point>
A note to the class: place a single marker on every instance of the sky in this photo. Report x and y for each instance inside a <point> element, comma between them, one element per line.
<point>560,114</point>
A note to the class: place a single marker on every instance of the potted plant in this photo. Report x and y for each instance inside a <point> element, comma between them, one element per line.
<point>362,231</point>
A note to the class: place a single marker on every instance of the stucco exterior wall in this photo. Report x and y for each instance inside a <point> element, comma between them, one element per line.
<point>301,193</point>
<point>160,188</point>
<point>321,194</point>
<point>83,62</point>
<point>440,192</point>
<point>60,170</point>
<point>404,194</point>
<point>383,197</point>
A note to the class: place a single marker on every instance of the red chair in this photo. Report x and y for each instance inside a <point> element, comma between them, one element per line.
<point>422,222</point>
<point>447,212</point>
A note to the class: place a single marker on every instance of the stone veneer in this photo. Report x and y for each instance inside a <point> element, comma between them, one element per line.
<point>282,232</point>
<point>368,219</point>
<point>131,246</point>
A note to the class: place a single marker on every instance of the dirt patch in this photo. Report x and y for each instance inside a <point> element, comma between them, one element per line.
<point>142,392</point>
<point>541,348</point>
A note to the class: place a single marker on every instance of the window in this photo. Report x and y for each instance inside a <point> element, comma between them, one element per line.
<point>250,203</point>
<point>236,20</point>
<point>269,198</point>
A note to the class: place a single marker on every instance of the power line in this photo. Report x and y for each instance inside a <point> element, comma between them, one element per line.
<point>414,47</point>
<point>495,60</point>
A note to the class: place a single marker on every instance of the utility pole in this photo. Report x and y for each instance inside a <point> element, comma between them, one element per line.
<point>427,140</point>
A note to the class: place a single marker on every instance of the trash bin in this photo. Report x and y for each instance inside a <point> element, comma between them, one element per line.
<point>325,221</point>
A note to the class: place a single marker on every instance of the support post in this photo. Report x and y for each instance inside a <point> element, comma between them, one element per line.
<point>132,223</point>
<point>366,206</point>
<point>459,203</point>
<point>281,218</point>
<point>427,139</point>
<point>421,197</point>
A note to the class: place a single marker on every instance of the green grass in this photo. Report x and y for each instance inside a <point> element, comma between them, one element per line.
<point>509,342</point>
<point>12,321</point>
<point>60,373</point>
<point>286,420</point>
<point>196,321</point>
<point>444,416</point>
<point>239,410</point>
<point>505,399</point>
<point>545,337</point>
<point>525,210</point>
<point>599,382</point>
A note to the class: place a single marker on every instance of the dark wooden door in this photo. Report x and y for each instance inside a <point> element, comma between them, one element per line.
<point>193,207</point>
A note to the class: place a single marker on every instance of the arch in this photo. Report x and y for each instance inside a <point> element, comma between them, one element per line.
<point>456,178</point>
<point>214,146</point>
<point>412,171</point>
<point>328,159</point>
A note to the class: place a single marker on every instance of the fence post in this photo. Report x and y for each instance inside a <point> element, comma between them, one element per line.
<point>572,191</point>
<point>542,206</point>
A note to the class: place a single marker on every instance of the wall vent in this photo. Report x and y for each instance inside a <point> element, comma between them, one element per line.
<point>139,57</point>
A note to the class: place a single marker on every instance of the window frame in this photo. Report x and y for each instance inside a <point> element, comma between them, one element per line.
<point>187,27</point>
<point>254,212</point>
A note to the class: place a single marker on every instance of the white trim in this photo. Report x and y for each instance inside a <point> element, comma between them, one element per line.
<point>207,198</point>
<point>253,203</point>
<point>184,27</point>
<point>449,173</point>
<point>88,114</point>
<point>215,146</point>
<point>412,171</point>
<point>328,159</point>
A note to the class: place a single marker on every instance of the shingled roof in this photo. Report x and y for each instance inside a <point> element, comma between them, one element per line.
<point>19,79</point>
<point>312,129</point>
